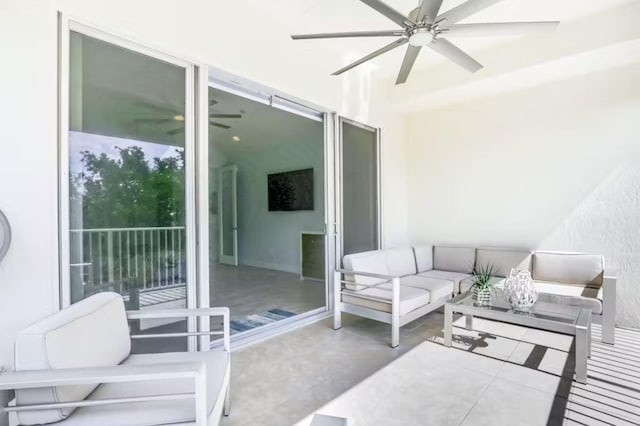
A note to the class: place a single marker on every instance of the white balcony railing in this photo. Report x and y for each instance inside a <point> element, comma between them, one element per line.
<point>144,258</point>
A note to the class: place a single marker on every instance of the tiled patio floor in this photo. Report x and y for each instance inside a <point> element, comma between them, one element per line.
<point>497,375</point>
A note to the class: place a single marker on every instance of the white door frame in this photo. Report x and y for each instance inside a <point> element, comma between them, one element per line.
<point>223,258</point>
<point>196,158</point>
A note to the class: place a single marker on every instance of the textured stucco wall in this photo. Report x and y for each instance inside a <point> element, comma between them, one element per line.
<point>608,222</point>
<point>549,167</point>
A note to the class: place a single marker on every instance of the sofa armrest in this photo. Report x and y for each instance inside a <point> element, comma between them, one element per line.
<point>184,313</point>
<point>367,274</point>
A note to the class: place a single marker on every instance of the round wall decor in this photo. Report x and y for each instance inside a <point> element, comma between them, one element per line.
<point>5,235</point>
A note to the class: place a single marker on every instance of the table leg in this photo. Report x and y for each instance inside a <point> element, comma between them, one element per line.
<point>581,354</point>
<point>589,339</point>
<point>448,324</point>
<point>468,322</point>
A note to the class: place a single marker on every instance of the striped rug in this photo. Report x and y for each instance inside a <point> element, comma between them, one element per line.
<point>258,320</point>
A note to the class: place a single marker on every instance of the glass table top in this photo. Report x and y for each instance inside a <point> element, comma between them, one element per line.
<point>540,310</point>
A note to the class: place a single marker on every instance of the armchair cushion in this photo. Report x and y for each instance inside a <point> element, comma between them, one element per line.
<point>454,259</point>
<point>503,260</point>
<point>400,261</point>
<point>91,333</point>
<point>437,288</point>
<point>568,268</point>
<point>369,261</point>
<point>155,412</point>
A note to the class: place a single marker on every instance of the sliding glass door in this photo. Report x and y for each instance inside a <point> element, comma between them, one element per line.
<point>128,159</point>
<point>360,187</point>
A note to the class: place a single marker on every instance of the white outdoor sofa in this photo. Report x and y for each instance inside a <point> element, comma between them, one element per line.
<point>399,285</point>
<point>75,368</point>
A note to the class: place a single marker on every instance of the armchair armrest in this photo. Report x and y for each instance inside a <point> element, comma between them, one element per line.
<point>183,313</point>
<point>29,379</point>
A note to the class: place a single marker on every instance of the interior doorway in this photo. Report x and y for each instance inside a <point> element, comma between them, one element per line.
<point>227,199</point>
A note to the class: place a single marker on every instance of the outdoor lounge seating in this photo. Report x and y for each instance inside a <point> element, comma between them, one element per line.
<point>75,368</point>
<point>399,285</point>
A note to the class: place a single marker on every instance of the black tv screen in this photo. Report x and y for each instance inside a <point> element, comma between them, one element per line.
<point>290,191</point>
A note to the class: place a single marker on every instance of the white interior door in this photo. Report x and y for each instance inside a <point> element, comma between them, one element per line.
<point>228,214</point>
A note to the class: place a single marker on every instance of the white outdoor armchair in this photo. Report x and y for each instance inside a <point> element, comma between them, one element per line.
<point>75,368</point>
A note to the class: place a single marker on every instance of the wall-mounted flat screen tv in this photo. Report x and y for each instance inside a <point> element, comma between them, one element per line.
<point>290,191</point>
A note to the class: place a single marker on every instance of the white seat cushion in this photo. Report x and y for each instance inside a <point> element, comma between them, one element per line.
<point>437,288</point>
<point>91,333</point>
<point>568,268</point>
<point>503,260</point>
<point>410,298</point>
<point>570,294</point>
<point>424,257</point>
<point>454,277</point>
<point>400,261</point>
<point>155,412</point>
<point>454,259</point>
<point>369,261</point>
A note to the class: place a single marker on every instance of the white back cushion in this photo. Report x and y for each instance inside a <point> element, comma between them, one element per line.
<point>503,260</point>
<point>369,261</point>
<point>454,259</point>
<point>91,333</point>
<point>568,268</point>
<point>400,261</point>
<point>424,257</point>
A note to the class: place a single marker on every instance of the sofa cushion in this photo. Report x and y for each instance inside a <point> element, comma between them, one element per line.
<point>570,294</point>
<point>454,277</point>
<point>156,412</point>
<point>437,288</point>
<point>568,268</point>
<point>400,261</point>
<point>91,333</point>
<point>424,257</point>
<point>410,298</point>
<point>465,284</point>
<point>503,260</point>
<point>454,259</point>
<point>369,261</point>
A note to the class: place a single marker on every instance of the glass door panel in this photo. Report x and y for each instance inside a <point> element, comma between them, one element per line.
<point>228,220</point>
<point>360,194</point>
<point>127,177</point>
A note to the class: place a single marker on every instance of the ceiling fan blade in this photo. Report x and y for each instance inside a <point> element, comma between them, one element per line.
<point>390,33</point>
<point>464,10</point>
<point>407,63</point>
<point>213,102</point>
<point>429,10</point>
<point>225,116</point>
<point>453,53</point>
<point>158,108</point>
<point>389,12</point>
<point>397,43</point>
<point>220,125</point>
<point>501,28</point>
<point>175,131</point>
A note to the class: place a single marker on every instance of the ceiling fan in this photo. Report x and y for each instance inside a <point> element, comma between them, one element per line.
<point>425,26</point>
<point>172,116</point>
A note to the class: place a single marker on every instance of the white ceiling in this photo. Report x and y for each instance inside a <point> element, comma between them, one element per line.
<point>312,16</point>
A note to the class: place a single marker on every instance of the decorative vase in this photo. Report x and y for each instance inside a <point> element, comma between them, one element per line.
<point>481,295</point>
<point>519,290</point>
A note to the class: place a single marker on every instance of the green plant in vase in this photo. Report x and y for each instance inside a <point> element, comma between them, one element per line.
<point>482,282</point>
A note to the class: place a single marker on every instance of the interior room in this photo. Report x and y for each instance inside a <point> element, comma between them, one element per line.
<point>320,212</point>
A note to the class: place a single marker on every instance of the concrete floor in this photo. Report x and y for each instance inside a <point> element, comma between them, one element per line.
<point>497,375</point>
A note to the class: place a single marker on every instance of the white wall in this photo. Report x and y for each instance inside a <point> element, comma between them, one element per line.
<point>28,158</point>
<point>270,239</point>
<point>550,167</point>
<point>200,30</point>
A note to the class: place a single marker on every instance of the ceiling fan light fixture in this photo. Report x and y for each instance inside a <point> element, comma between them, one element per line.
<point>236,138</point>
<point>178,117</point>
<point>421,37</point>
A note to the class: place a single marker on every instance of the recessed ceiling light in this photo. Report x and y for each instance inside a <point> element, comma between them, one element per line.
<point>178,117</point>
<point>236,138</point>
